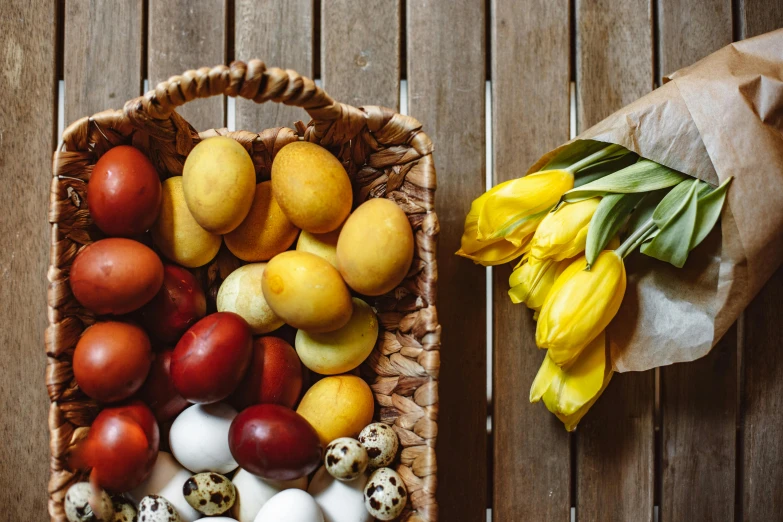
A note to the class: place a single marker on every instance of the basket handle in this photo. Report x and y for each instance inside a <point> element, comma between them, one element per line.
<point>251,80</point>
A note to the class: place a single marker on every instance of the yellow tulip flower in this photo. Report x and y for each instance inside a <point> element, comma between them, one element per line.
<point>532,279</point>
<point>563,233</point>
<point>580,306</point>
<point>570,393</point>
<point>501,222</point>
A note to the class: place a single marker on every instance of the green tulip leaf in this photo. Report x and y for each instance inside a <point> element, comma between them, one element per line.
<point>644,210</point>
<point>577,151</point>
<point>642,176</point>
<point>676,198</point>
<point>611,214</point>
<point>710,206</point>
<point>672,242</point>
<point>604,168</point>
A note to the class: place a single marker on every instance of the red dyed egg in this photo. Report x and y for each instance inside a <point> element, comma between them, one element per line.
<point>274,377</point>
<point>179,303</point>
<point>158,391</point>
<point>124,192</point>
<point>211,358</point>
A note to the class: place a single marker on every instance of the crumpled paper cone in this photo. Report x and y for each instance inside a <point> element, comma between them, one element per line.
<point>720,117</point>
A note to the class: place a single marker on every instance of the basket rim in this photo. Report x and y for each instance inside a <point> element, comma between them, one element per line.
<point>395,151</point>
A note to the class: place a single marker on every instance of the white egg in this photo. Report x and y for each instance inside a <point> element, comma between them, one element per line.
<point>166,480</point>
<point>216,519</point>
<point>339,501</point>
<point>291,505</point>
<point>253,492</point>
<point>199,438</point>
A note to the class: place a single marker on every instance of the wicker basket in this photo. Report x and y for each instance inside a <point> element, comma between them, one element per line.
<point>385,154</point>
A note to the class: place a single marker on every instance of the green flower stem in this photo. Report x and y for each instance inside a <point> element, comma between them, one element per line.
<point>636,239</point>
<point>592,158</point>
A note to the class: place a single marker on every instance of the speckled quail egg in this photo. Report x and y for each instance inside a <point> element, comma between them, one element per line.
<point>345,458</point>
<point>124,510</point>
<point>210,493</point>
<point>381,444</point>
<point>154,508</point>
<point>78,508</point>
<point>385,495</point>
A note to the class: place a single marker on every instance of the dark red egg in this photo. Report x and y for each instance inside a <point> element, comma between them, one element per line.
<point>111,360</point>
<point>274,377</point>
<point>115,276</point>
<point>179,303</point>
<point>212,357</point>
<point>274,442</point>
<point>121,447</point>
<point>159,393</point>
<point>124,192</point>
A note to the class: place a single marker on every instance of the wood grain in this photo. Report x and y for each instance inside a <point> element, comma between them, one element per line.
<point>699,404</point>
<point>360,51</point>
<point>690,30</point>
<point>187,35</point>
<point>760,16</point>
<point>102,64</point>
<point>260,28</point>
<point>615,441</point>
<point>446,85</point>
<point>27,139</point>
<point>530,115</point>
<point>698,399</point>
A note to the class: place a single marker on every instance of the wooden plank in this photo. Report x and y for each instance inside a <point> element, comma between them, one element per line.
<point>279,32</point>
<point>187,35</point>
<point>27,139</point>
<point>761,403</point>
<point>690,30</point>
<point>699,399</point>
<point>360,51</point>
<point>699,404</point>
<point>102,64</point>
<point>615,441</point>
<point>530,115</point>
<point>446,91</point>
<point>760,16</point>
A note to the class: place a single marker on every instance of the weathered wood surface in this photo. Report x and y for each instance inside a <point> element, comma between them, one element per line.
<point>187,35</point>
<point>102,64</point>
<point>530,115</point>
<point>27,140</point>
<point>698,400</point>
<point>259,33</point>
<point>360,51</point>
<point>615,447</point>
<point>446,84</point>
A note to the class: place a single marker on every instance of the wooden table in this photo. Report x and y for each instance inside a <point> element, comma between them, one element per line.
<point>700,441</point>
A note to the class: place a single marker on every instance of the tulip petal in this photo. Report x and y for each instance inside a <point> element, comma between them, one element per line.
<point>563,233</point>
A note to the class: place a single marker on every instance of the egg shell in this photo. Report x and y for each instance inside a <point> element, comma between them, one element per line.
<point>78,508</point>
<point>339,501</point>
<point>241,293</point>
<point>291,505</point>
<point>210,493</point>
<point>385,495</point>
<point>345,459</point>
<point>253,492</point>
<point>166,480</point>
<point>124,510</point>
<point>216,519</point>
<point>155,508</point>
<point>115,276</point>
<point>199,438</point>
<point>381,443</point>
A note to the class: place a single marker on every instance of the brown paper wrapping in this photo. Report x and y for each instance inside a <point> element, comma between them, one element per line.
<point>721,117</point>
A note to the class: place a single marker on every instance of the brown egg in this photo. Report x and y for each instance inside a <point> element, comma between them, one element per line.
<point>115,276</point>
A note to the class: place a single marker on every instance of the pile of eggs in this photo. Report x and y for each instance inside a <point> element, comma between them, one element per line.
<point>204,415</point>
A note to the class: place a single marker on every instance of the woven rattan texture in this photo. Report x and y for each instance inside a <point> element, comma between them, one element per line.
<point>385,154</point>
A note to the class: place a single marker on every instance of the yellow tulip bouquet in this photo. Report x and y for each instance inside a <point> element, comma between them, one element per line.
<point>652,180</point>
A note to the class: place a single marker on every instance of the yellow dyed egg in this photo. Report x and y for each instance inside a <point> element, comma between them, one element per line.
<point>306,292</point>
<point>176,233</point>
<point>219,181</point>
<point>343,350</point>
<point>265,232</point>
<point>322,245</point>
<point>241,293</point>
<point>311,187</point>
<point>375,248</point>
<point>337,406</point>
